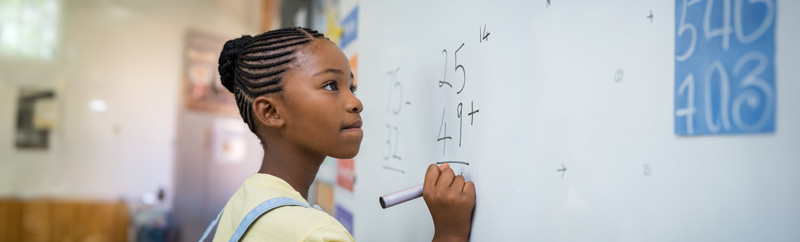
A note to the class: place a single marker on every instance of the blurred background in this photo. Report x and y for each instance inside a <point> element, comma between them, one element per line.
<point>115,126</point>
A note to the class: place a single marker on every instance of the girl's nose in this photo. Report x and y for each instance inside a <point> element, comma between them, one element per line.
<point>354,105</point>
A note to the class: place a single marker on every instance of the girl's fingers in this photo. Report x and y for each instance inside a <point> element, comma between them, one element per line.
<point>469,189</point>
<point>458,183</point>
<point>432,176</point>
<point>446,178</point>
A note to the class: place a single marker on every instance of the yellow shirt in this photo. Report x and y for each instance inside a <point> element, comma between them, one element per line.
<point>287,223</point>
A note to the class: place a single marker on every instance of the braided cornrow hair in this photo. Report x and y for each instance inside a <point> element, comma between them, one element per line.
<point>252,66</point>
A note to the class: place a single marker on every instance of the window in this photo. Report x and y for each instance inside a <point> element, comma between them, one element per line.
<point>29,28</point>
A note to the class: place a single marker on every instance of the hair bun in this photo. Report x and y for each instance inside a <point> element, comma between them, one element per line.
<point>227,60</point>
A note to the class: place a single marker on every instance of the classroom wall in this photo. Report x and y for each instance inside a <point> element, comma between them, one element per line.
<point>129,54</point>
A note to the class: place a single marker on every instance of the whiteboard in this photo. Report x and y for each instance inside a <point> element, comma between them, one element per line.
<point>572,132</point>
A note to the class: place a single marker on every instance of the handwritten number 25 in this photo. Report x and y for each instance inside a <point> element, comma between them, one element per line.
<point>443,81</point>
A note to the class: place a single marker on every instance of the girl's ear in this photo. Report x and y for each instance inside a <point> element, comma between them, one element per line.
<point>266,112</point>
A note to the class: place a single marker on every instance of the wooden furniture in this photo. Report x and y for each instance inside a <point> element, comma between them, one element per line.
<point>45,220</point>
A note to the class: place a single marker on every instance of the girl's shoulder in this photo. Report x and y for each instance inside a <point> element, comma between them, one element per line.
<point>296,223</point>
<point>286,223</point>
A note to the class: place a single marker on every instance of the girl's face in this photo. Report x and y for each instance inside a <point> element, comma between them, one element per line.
<point>321,113</point>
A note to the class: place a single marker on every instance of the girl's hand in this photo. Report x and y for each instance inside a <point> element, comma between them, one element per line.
<point>450,201</point>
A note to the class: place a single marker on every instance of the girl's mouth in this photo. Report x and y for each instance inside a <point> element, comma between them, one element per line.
<point>353,125</point>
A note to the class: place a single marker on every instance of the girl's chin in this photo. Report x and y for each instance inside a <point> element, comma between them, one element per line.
<point>347,154</point>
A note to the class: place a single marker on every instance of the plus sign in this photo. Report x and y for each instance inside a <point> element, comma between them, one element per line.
<point>562,170</point>
<point>471,117</point>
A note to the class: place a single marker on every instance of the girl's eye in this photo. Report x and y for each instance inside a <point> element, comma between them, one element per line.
<point>353,89</point>
<point>331,86</point>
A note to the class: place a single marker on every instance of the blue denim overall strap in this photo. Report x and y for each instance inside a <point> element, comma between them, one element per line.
<point>211,226</point>
<point>254,214</point>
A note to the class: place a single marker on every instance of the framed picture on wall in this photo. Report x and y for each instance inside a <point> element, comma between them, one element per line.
<point>36,117</point>
<point>202,88</point>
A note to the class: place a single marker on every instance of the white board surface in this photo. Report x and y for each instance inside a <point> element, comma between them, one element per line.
<point>584,85</point>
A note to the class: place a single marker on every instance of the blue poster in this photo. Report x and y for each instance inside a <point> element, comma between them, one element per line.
<point>350,27</point>
<point>724,66</point>
<point>345,217</point>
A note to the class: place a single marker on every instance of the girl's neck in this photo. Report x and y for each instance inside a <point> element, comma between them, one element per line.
<point>296,167</point>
